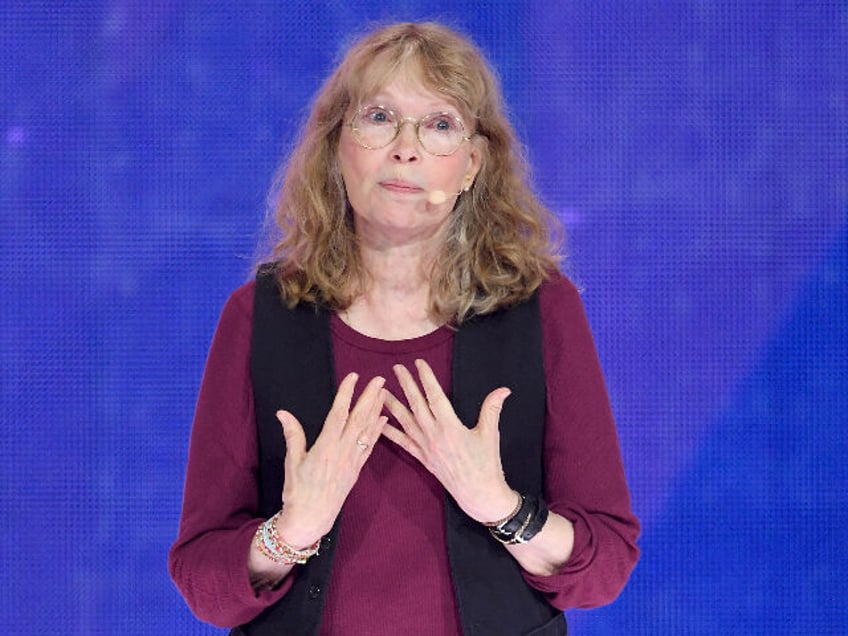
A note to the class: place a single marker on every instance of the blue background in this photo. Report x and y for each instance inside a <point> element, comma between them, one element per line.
<point>696,152</point>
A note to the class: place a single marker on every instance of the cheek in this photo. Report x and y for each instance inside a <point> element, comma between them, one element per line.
<point>345,161</point>
<point>354,166</point>
<point>353,175</point>
<point>454,172</point>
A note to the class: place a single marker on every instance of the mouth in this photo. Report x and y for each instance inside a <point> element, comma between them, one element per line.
<point>401,186</point>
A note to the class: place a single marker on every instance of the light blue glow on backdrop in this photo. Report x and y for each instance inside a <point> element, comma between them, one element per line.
<point>695,150</point>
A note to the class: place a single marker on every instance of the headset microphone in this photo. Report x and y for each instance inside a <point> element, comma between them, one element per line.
<point>437,197</point>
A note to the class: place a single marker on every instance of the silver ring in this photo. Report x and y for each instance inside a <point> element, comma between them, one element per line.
<point>362,445</point>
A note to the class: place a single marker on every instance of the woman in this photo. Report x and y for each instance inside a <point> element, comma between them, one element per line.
<point>403,426</point>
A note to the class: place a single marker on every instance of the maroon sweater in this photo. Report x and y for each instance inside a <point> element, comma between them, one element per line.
<point>391,569</point>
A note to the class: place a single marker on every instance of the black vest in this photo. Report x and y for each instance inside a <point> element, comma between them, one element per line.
<point>292,367</point>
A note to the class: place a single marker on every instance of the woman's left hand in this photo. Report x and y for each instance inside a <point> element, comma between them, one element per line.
<point>466,461</point>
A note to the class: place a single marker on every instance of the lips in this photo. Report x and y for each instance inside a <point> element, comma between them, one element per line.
<point>401,186</point>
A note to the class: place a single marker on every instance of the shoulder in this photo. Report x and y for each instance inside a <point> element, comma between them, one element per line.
<point>238,309</point>
<point>563,316</point>
<point>557,293</point>
<point>244,294</point>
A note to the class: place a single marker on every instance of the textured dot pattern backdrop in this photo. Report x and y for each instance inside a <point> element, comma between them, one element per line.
<point>696,152</point>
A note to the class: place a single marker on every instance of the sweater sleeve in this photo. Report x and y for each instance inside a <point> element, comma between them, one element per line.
<point>208,560</point>
<point>584,474</point>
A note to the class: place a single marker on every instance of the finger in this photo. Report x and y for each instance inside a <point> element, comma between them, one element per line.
<point>436,398</point>
<point>402,414</point>
<point>382,422</point>
<point>374,397</point>
<point>490,412</point>
<point>363,445</point>
<point>363,423</point>
<point>416,400</point>
<point>340,409</point>
<point>368,406</point>
<point>373,433</point>
<point>376,420</point>
<point>404,441</point>
<point>357,436</point>
<point>294,435</point>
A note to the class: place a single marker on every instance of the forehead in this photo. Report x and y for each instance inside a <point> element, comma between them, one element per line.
<point>407,97</point>
<point>404,80</point>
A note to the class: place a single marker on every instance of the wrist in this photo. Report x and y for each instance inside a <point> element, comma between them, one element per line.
<point>296,529</point>
<point>274,547</point>
<point>515,500</point>
<point>525,524</point>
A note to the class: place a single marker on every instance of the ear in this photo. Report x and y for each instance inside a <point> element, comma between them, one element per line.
<point>475,160</point>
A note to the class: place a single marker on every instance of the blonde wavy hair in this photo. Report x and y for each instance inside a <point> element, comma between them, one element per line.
<point>502,242</point>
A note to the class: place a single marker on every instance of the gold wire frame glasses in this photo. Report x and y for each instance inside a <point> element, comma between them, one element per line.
<point>440,134</point>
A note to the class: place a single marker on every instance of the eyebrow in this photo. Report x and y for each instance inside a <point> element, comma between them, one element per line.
<point>450,112</point>
<point>380,99</point>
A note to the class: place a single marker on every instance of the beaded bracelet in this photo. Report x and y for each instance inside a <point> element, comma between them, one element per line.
<point>514,512</point>
<point>274,548</point>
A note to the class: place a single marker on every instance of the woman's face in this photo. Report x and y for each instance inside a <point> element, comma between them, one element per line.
<point>401,193</point>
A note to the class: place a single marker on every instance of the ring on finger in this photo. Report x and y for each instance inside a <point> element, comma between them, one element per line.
<point>363,446</point>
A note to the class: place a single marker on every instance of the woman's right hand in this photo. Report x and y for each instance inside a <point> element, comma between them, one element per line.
<point>318,481</point>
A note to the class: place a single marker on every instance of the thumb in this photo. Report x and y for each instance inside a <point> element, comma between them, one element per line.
<point>295,437</point>
<point>490,412</point>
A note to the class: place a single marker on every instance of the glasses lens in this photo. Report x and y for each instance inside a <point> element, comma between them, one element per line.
<point>441,133</point>
<point>374,126</point>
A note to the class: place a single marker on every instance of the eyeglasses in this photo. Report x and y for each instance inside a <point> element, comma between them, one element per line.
<point>440,134</point>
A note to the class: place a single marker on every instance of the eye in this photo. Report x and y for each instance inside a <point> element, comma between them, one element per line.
<point>377,116</point>
<point>444,123</point>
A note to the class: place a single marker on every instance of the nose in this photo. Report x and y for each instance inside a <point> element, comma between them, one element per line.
<point>406,147</point>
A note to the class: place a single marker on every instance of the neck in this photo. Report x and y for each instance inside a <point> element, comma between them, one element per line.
<point>396,298</point>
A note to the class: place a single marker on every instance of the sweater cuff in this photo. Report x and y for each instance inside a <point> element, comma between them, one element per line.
<point>226,598</point>
<point>241,577</point>
<point>582,552</point>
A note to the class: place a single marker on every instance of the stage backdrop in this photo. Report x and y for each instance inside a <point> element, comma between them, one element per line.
<point>696,152</point>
